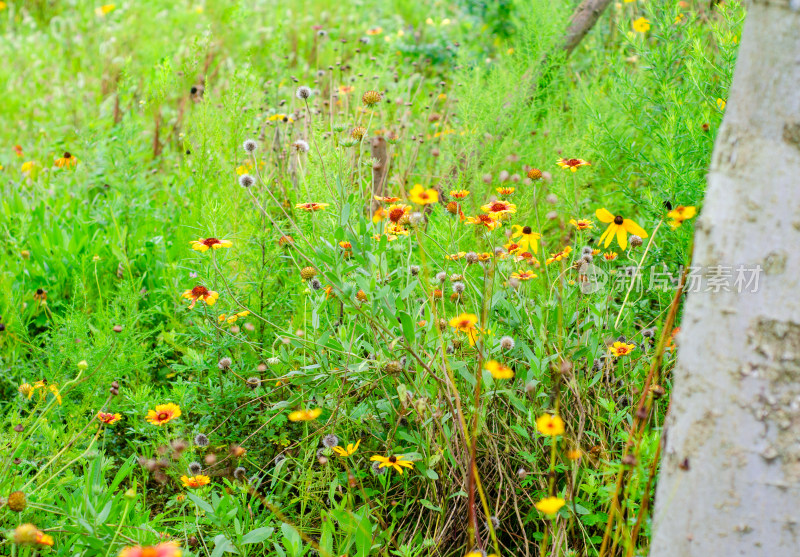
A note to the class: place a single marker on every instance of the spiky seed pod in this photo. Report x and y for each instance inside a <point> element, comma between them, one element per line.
<point>635,241</point>
<point>358,133</point>
<point>250,146</point>
<point>507,343</point>
<point>246,181</point>
<point>330,440</point>
<point>17,501</point>
<point>441,277</point>
<point>414,270</point>
<point>371,98</point>
<point>535,174</point>
<point>459,287</point>
<point>442,324</point>
<point>361,296</point>
<point>253,382</point>
<point>224,363</point>
<point>195,468</point>
<point>239,473</point>
<point>201,440</point>
<point>471,257</point>
<point>393,367</point>
<point>308,273</point>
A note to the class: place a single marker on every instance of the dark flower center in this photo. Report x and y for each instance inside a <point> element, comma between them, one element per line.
<point>618,220</point>
<point>198,291</point>
<point>573,162</point>
<point>163,416</point>
<point>526,230</point>
<point>211,241</point>
<point>392,459</point>
<point>498,206</point>
<point>67,155</point>
<point>395,214</point>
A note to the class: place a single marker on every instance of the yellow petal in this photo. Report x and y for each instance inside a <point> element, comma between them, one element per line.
<point>611,230</point>
<point>622,237</point>
<point>634,228</point>
<point>604,215</point>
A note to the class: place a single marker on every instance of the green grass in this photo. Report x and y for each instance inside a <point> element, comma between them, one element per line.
<point>155,99</point>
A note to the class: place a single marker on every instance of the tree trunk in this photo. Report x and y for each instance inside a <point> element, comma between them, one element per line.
<point>730,474</point>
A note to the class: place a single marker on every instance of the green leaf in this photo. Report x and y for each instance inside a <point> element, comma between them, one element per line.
<point>258,535</point>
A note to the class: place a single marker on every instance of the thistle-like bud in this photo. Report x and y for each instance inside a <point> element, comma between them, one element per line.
<point>308,273</point>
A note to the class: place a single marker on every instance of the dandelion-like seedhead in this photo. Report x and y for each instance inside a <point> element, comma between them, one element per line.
<point>414,270</point>
<point>330,441</point>
<point>253,382</point>
<point>300,146</point>
<point>471,257</point>
<point>239,473</point>
<point>441,277</point>
<point>195,468</point>
<point>303,93</point>
<point>507,343</point>
<point>458,287</point>
<point>224,363</point>
<point>376,469</point>
<point>315,284</point>
<point>201,440</point>
<point>250,146</point>
<point>246,181</point>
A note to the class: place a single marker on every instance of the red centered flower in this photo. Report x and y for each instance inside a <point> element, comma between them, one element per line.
<point>201,293</point>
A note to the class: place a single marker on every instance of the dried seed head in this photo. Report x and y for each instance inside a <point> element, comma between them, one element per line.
<point>507,343</point>
<point>441,277</point>
<point>250,146</point>
<point>635,241</point>
<point>195,468</point>
<point>393,367</point>
<point>376,469</point>
<point>458,287</point>
<point>649,333</point>
<point>414,270</point>
<point>117,328</point>
<point>239,473</point>
<point>307,273</point>
<point>224,363</point>
<point>301,146</point>
<point>246,181</point>
<point>330,440</point>
<point>315,284</point>
<point>17,501</point>
<point>358,133</point>
<point>535,174</point>
<point>415,218</point>
<point>471,257</point>
<point>253,382</point>
<point>371,98</point>
<point>552,199</point>
<point>303,93</point>
<point>201,440</point>
<point>522,473</point>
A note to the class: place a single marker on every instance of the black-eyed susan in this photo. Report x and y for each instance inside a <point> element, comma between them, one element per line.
<point>459,194</point>
<point>280,117</point>
<point>563,254</point>
<point>498,370</point>
<point>195,481</point>
<point>572,164</point>
<point>422,196</point>
<point>490,221</point>
<point>349,450</point>
<point>506,190</point>
<point>525,239</point>
<point>305,415</point>
<point>202,293</point>
<point>680,214</point>
<point>388,199</point>
<point>67,160</point>
<point>311,206</point>
<point>394,461</point>
<point>466,323</point>
<point>619,349</point>
<point>165,549</point>
<point>523,275</point>
<point>549,505</point>
<point>582,224</point>
<point>499,207</point>
<point>618,226</point>
<point>108,418</point>
<point>549,425</point>
<point>163,413</point>
<point>204,244</point>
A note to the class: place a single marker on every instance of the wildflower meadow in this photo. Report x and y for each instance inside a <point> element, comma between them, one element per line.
<point>353,278</point>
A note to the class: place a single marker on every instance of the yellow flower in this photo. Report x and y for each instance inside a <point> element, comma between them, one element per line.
<point>466,324</point>
<point>582,224</point>
<point>379,214</point>
<point>397,211</point>
<point>523,275</point>
<point>393,461</point>
<point>66,161</point>
<point>108,419</point>
<point>280,117</point>
<point>459,194</point>
<point>455,256</point>
<point>163,413</point>
<point>195,481</point>
<point>490,221</point>
<point>29,168</point>
<point>498,370</point>
<point>311,206</point>
<point>526,239</point>
<point>572,164</point>
<point>349,450</point>
<point>201,293</point>
<point>2,5</point>
<point>641,25</point>
<point>721,104</point>
<point>506,190</point>
<point>619,226</point>
<point>26,390</point>
<point>387,199</point>
<point>549,425</point>
<point>680,214</point>
<point>621,349</point>
<point>28,534</point>
<point>499,207</point>
<point>564,253</point>
<point>610,255</point>
<point>105,9</point>
<point>203,244</point>
<point>421,196</point>
<point>549,505</point>
<point>304,415</point>
<point>375,31</point>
